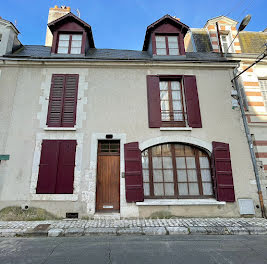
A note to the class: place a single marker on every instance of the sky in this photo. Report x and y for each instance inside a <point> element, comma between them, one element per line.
<point>121,24</point>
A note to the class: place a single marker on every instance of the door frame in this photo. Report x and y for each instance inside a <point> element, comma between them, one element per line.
<point>108,154</point>
<point>91,174</point>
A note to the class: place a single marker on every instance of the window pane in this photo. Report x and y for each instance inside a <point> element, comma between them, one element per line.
<point>146,189</point>
<point>179,150</point>
<point>166,150</point>
<point>193,189</point>
<point>156,151</point>
<point>163,85</point>
<point>146,175</point>
<point>178,117</point>
<point>173,45</point>
<point>157,163</point>
<point>182,187</point>
<point>173,52</point>
<point>175,85</point>
<point>75,51</point>
<point>172,39</point>
<point>190,162</point>
<point>62,50</point>
<point>167,162</point>
<point>192,175</point>
<point>176,95</point>
<point>207,188</point>
<point>204,162</point>
<point>77,37</point>
<point>189,151</point>
<point>164,95</point>
<point>161,52</point>
<point>158,189</point>
<point>76,44</point>
<point>177,105</point>
<point>157,176</point>
<point>145,162</point>
<point>64,36</point>
<point>169,189</point>
<point>205,175</point>
<point>160,42</point>
<point>168,175</point>
<point>63,43</point>
<point>180,163</point>
<point>181,175</point>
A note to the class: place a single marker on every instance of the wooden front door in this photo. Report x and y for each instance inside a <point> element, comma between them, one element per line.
<point>108,176</point>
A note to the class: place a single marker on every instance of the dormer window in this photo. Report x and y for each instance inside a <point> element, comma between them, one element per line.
<point>167,45</point>
<point>225,41</point>
<point>69,44</point>
<point>71,35</point>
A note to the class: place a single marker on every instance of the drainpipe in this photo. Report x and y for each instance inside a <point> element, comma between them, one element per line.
<point>250,143</point>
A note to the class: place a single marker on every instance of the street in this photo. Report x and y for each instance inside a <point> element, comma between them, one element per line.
<point>135,249</point>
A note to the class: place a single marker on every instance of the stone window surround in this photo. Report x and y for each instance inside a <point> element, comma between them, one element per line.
<point>36,161</point>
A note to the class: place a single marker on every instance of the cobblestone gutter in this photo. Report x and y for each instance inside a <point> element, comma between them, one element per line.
<point>185,226</point>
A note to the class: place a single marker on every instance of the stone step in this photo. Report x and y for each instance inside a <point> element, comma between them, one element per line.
<point>108,216</point>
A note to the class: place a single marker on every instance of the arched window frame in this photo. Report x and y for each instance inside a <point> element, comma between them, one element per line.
<point>198,168</point>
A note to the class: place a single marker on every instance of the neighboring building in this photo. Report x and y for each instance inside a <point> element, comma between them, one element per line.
<point>247,47</point>
<point>129,132</point>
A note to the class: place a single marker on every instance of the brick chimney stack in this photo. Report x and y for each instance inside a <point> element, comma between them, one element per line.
<point>54,13</point>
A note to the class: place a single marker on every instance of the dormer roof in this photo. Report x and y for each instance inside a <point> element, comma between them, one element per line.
<point>8,23</point>
<point>167,19</point>
<point>221,18</point>
<point>70,17</point>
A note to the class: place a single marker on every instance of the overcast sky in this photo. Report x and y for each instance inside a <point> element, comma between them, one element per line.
<point>121,24</point>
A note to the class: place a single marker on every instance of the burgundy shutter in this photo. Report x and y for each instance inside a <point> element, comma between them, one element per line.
<point>70,100</point>
<point>66,166</point>
<point>192,102</point>
<point>48,167</point>
<point>54,114</point>
<point>222,172</point>
<point>133,173</point>
<point>153,97</point>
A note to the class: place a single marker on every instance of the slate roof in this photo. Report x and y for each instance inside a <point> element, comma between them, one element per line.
<point>42,52</point>
<point>201,40</point>
<point>252,42</point>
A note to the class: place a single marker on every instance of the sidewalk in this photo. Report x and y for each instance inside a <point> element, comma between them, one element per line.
<point>185,226</point>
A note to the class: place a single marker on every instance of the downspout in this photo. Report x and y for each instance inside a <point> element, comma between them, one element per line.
<point>250,143</point>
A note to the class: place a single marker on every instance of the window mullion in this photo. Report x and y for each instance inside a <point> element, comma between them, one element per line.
<point>150,166</point>
<point>70,40</point>
<point>170,101</point>
<point>176,192</point>
<point>198,172</point>
<point>167,45</point>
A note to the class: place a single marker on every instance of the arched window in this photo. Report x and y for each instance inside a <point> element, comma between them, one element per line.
<point>176,171</point>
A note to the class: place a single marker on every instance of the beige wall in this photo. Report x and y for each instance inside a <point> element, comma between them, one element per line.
<point>114,100</point>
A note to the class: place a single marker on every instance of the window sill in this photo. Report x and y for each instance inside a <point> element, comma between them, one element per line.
<point>175,128</point>
<point>60,128</point>
<point>55,197</point>
<point>156,202</point>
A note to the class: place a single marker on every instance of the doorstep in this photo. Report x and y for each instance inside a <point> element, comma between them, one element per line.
<point>107,216</point>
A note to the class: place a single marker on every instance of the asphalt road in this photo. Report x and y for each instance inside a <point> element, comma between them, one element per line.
<point>135,249</point>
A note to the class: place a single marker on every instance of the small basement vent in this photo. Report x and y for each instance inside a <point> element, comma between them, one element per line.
<point>72,215</point>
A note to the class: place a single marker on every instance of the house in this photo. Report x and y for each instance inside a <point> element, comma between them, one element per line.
<point>96,131</point>
<point>247,48</point>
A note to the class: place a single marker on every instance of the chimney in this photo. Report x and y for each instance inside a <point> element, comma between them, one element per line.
<point>54,13</point>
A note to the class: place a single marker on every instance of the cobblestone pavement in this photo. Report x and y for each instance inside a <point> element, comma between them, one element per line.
<point>136,226</point>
